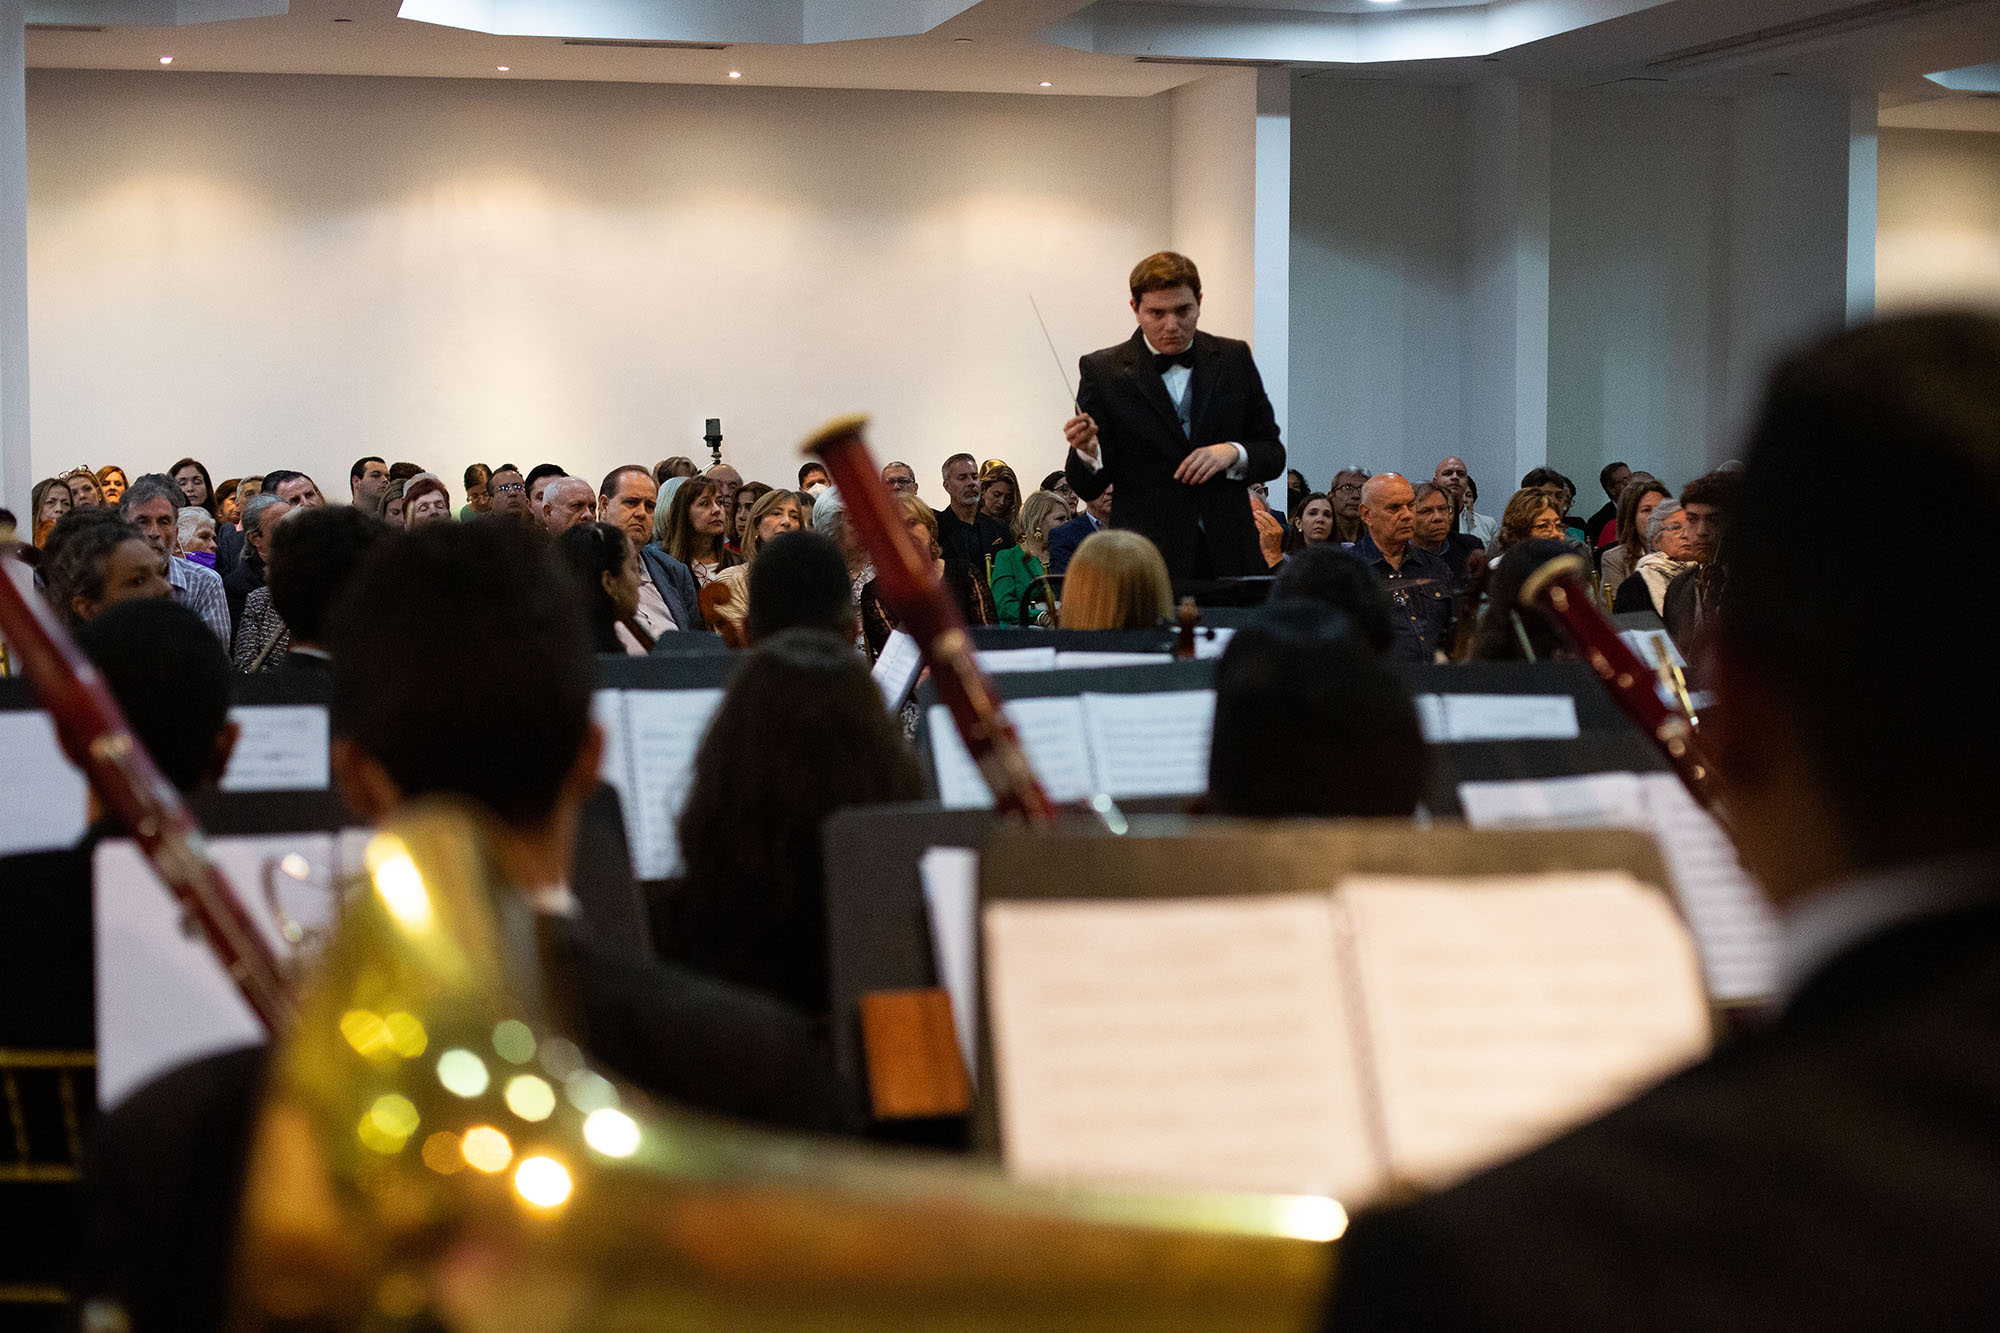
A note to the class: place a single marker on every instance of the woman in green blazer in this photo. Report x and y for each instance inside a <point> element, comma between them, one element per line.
<point>1015,572</point>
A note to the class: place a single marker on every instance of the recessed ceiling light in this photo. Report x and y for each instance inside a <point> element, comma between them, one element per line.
<point>1047,84</point>
<point>166,60</point>
<point>503,68</point>
<point>961,41</point>
<point>735,73</point>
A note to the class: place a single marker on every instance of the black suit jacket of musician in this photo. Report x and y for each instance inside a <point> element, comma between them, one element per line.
<point>1206,530</point>
<point>1840,1169</point>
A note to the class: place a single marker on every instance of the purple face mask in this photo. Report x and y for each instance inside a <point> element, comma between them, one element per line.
<point>206,559</point>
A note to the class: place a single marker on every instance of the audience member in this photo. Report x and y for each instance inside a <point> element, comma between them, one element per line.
<point>406,471</point>
<point>48,502</point>
<point>1057,483</point>
<point>294,488</point>
<point>967,586</point>
<point>1309,721</point>
<point>1434,532</point>
<point>691,529</point>
<point>680,465</point>
<point>1671,550</point>
<point>1419,584</point>
<point>1095,517</point>
<point>800,734</point>
<point>799,580</point>
<point>111,482</point>
<point>668,598</point>
<point>1531,513</point>
<point>260,518</point>
<point>425,500</point>
<point>814,478</point>
<point>228,504</point>
<point>94,559</point>
<point>603,564</point>
<point>727,481</point>
<point>566,503</point>
<point>1600,526</point>
<point>194,538</point>
<point>314,558</point>
<point>1334,575</point>
<point>1562,494</point>
<point>539,480</point>
<point>747,496</point>
<point>1686,605</point>
<point>1000,494</point>
<point>1117,580</point>
<point>1451,474</point>
<point>773,514</point>
<point>1296,490</point>
<point>966,532</point>
<point>1272,534</point>
<point>1345,493</point>
<point>1642,495</point>
<point>1019,591</point>
<point>151,505</point>
<point>367,483</point>
<point>509,492</point>
<point>84,491</point>
<point>392,503</point>
<point>900,478</point>
<point>195,485</point>
<point>1506,633</point>
<point>478,493</point>
<point>1314,518</point>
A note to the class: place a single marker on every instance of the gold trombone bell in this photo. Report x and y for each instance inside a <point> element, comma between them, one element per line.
<point>434,1151</point>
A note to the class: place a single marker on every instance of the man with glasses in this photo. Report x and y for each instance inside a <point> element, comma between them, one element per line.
<point>900,478</point>
<point>510,492</point>
<point>1345,492</point>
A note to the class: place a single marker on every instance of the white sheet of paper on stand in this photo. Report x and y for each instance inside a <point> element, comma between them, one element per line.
<point>665,728</point>
<point>1647,643</point>
<point>999,661</point>
<point>1085,660</point>
<point>1150,744</point>
<point>1051,732</point>
<point>1211,642</point>
<point>162,998</point>
<point>279,747</point>
<point>1589,800</point>
<point>1510,717</point>
<point>896,669</point>
<point>1430,718</point>
<point>950,878</point>
<point>45,797</point>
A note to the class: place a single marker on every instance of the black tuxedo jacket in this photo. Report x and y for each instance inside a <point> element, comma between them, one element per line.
<point>1840,1169</point>
<point>1203,531</point>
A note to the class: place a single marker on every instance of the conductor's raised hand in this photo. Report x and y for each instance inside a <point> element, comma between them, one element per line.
<point>1081,432</point>
<point>1211,460</point>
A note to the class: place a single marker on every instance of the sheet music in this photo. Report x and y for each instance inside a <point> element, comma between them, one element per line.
<point>1431,719</point>
<point>1051,731</point>
<point>1731,919</point>
<point>1589,800</point>
<point>1510,717</point>
<point>1190,1042</point>
<point>45,796</point>
<point>1087,658</point>
<point>950,878</point>
<point>999,661</point>
<point>162,998</point>
<point>1150,744</point>
<point>1501,1010</point>
<point>1646,643</point>
<point>664,729</point>
<point>1212,642</point>
<point>279,747</point>
<point>896,669</point>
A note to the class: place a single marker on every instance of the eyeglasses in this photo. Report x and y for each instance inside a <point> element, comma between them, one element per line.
<point>510,488</point>
<point>1347,486</point>
<point>902,483</point>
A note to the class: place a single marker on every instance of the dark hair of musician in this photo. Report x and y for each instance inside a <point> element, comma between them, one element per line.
<point>1900,723</point>
<point>1718,490</point>
<point>799,581</point>
<point>436,626</point>
<point>1163,272</point>
<point>1309,721</point>
<point>1505,620</point>
<point>800,734</point>
<point>73,557</point>
<point>589,551</point>
<point>1328,574</point>
<point>171,679</point>
<point>314,556</point>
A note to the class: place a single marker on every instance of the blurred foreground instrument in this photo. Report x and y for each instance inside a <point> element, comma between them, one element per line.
<point>924,610</point>
<point>1559,592</point>
<point>99,741</point>
<point>434,1153</point>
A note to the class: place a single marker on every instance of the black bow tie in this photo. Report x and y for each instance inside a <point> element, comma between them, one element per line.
<point>1162,360</point>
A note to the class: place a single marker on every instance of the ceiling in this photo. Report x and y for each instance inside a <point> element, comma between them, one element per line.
<point>1117,48</point>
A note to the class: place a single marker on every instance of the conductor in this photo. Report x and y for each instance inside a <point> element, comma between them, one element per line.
<point>1178,422</point>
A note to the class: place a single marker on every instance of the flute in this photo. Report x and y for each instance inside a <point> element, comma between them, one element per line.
<point>99,741</point>
<point>1559,592</point>
<point>925,611</point>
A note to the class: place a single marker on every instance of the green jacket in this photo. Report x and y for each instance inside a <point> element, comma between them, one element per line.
<point>1014,574</point>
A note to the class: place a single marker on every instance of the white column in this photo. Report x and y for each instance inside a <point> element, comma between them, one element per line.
<point>17,476</point>
<point>1863,185</point>
<point>1273,332</point>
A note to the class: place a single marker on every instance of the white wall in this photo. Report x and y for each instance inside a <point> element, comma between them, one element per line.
<point>1214,189</point>
<point>1938,236</point>
<point>288,270</point>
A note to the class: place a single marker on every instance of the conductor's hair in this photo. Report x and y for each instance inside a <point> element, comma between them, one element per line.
<point>1163,272</point>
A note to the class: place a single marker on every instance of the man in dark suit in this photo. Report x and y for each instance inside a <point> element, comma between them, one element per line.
<point>1096,517</point>
<point>1178,421</point>
<point>668,598</point>
<point>1841,1167</point>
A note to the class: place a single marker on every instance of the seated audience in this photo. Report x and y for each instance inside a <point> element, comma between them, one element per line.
<point>1019,593</point>
<point>799,580</point>
<point>726,601</point>
<point>1094,516</point>
<point>968,534</point>
<point>392,503</point>
<point>1671,551</point>
<point>478,498</point>
<point>1509,632</point>
<point>692,529</point>
<point>152,505</point>
<point>1562,494</point>
<point>111,482</point>
<point>1434,532</point>
<point>1345,493</point>
<point>1419,584</point>
<point>1614,478</point>
<point>727,481</point>
<point>604,567</point>
<point>813,478</point>
<point>668,468</point>
<point>668,599</point>
<point>1000,493</point>
<point>899,477</point>
<point>508,492</point>
<point>84,492</point>
<point>314,558</point>
<point>1310,721</point>
<point>800,734</point>
<point>1314,519</point>
<point>425,500</point>
<point>1118,580</point>
<point>47,503</point>
<point>367,482</point>
<point>260,519</point>
<point>294,488</point>
<point>94,559</point>
<point>194,539</point>
<point>566,503</point>
<point>747,495</point>
<point>1530,512</point>
<point>1056,483</point>
<point>539,479</point>
<point>1331,574</point>
<point>228,503</point>
<point>1642,495</point>
<point>1687,606</point>
<point>969,590</point>
<point>193,480</point>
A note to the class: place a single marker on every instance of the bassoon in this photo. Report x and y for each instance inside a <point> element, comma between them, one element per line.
<point>97,738</point>
<point>1558,590</point>
<point>924,610</point>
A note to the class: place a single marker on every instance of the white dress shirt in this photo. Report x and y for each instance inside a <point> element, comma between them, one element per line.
<point>653,616</point>
<point>1179,383</point>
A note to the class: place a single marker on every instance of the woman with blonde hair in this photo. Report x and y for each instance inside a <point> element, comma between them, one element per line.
<point>968,590</point>
<point>1018,570</point>
<point>84,491</point>
<point>1116,580</point>
<point>111,481</point>
<point>1000,493</point>
<point>726,601</point>
<point>46,505</point>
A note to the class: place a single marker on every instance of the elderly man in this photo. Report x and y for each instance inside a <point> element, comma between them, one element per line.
<point>151,504</point>
<point>509,490</point>
<point>566,502</point>
<point>1452,475</point>
<point>727,481</point>
<point>1419,584</point>
<point>294,488</point>
<point>1434,531</point>
<point>668,599</point>
<point>900,478</point>
<point>260,516</point>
